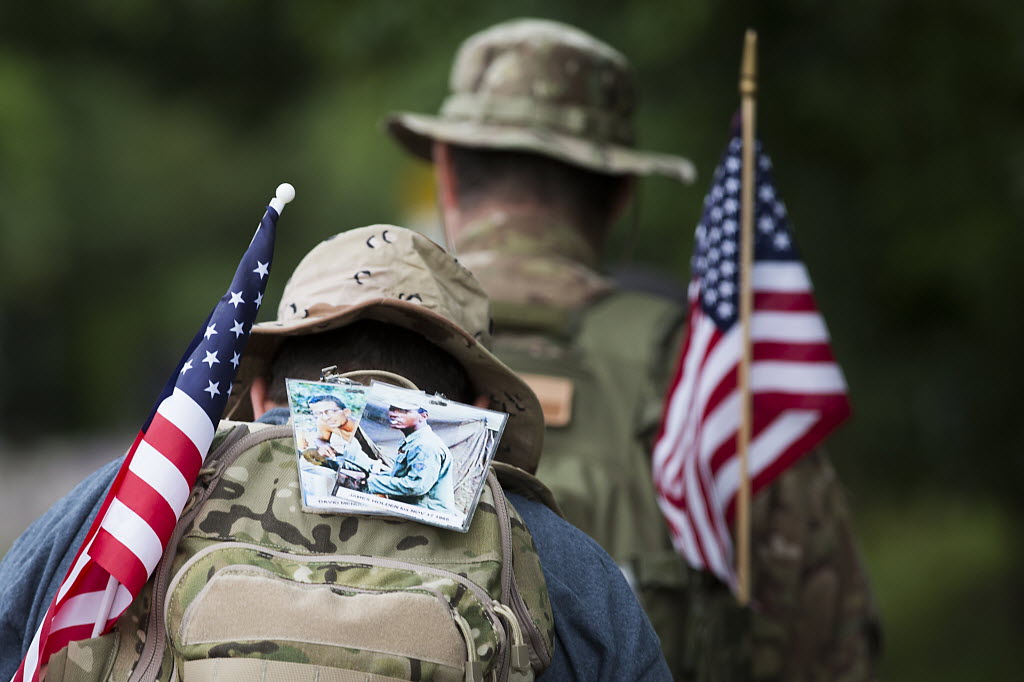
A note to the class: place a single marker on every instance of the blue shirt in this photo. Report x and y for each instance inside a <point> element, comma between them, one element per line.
<point>601,633</point>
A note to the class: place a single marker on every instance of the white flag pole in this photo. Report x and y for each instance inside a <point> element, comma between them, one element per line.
<point>283,195</point>
<point>103,613</point>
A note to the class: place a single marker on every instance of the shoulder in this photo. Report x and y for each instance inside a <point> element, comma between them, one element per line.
<point>68,513</point>
<point>648,314</point>
<point>430,440</point>
<point>636,337</point>
<point>37,562</point>
<point>574,560</point>
<point>632,327</point>
<point>557,536</point>
<point>601,631</point>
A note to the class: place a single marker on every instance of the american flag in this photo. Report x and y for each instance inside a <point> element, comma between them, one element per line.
<point>799,394</point>
<point>138,515</point>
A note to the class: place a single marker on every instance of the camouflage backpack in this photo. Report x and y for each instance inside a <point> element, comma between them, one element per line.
<point>252,588</point>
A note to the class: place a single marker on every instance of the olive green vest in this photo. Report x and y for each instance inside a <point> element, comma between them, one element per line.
<point>601,373</point>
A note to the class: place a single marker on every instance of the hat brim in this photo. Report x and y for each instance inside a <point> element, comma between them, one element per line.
<point>522,439</point>
<point>416,132</point>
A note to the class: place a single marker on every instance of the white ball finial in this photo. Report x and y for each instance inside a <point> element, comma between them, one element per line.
<point>285,193</point>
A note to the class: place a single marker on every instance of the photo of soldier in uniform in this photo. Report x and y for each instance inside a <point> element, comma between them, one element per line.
<point>424,457</point>
<point>422,471</point>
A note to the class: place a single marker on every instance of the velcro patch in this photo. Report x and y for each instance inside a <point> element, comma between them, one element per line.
<point>555,395</point>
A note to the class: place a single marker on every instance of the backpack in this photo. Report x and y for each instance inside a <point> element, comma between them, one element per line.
<point>252,588</point>
<point>617,353</point>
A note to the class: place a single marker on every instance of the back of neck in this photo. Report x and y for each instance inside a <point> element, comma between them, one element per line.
<point>524,231</point>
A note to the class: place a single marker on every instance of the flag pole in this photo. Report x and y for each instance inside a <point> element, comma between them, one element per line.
<point>283,195</point>
<point>748,92</point>
<point>103,614</point>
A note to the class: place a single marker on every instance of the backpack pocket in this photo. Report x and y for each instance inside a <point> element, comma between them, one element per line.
<point>326,614</point>
<point>86,660</point>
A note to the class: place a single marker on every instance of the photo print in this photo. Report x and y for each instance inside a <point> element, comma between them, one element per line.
<point>424,457</point>
<point>331,450</point>
<point>392,451</point>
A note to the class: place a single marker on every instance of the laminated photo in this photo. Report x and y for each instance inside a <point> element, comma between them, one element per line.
<point>434,455</point>
<point>331,451</point>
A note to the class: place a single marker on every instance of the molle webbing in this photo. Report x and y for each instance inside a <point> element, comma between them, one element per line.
<point>240,527</point>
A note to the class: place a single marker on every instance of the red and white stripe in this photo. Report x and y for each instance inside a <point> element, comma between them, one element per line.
<point>132,529</point>
<point>799,396</point>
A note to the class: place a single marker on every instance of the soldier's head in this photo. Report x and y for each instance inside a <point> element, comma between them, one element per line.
<point>368,344</point>
<point>406,417</point>
<point>329,410</point>
<point>539,114</point>
<point>383,302</point>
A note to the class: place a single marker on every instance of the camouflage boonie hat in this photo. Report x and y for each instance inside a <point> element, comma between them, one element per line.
<point>540,86</point>
<point>394,275</point>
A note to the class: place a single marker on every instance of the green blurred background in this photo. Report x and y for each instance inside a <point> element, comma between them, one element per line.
<point>139,143</point>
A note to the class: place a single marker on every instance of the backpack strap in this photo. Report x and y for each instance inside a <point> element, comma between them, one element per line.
<point>515,480</point>
<point>233,439</point>
<point>630,320</point>
<point>561,323</point>
<point>520,653</point>
<point>638,335</point>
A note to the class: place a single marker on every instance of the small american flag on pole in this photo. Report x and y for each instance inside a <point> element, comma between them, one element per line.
<point>137,517</point>
<point>798,390</point>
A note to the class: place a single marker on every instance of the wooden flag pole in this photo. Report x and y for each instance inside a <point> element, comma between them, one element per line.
<point>748,92</point>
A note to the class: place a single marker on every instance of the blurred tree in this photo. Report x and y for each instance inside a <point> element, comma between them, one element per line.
<point>138,143</point>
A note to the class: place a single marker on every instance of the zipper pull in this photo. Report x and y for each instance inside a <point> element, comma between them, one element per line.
<point>520,652</point>
<point>474,669</point>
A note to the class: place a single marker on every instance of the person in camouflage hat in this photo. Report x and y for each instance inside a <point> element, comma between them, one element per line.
<point>534,157</point>
<point>385,303</point>
<point>543,87</point>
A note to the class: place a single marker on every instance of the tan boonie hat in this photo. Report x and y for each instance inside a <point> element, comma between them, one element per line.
<point>394,275</point>
<point>540,86</point>
<point>403,405</point>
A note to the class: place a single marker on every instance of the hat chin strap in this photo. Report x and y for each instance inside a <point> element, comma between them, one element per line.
<point>366,376</point>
